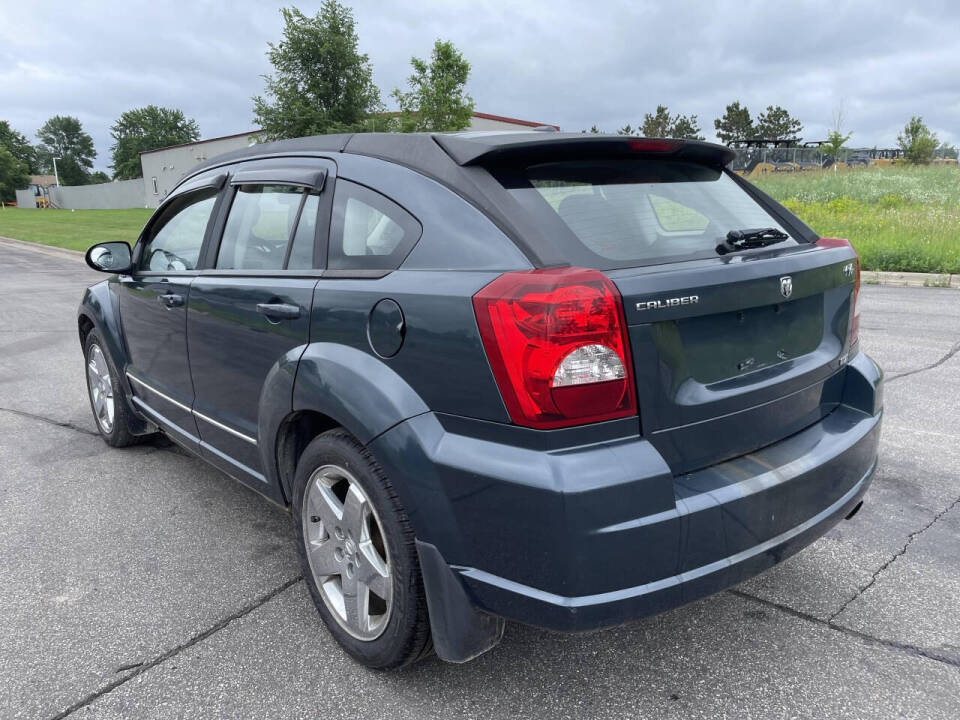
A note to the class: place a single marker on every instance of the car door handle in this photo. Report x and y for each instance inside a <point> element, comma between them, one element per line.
<point>170,300</point>
<point>279,311</point>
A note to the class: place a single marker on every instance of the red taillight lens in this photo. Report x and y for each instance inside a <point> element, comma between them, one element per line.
<point>557,343</point>
<point>855,314</point>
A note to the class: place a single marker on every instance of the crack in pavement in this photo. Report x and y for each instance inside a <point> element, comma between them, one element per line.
<point>876,574</point>
<point>199,637</point>
<point>949,354</point>
<point>152,444</point>
<point>910,649</point>
<point>50,421</point>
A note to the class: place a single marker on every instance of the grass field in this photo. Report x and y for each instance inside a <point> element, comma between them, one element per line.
<point>902,218</point>
<point>76,230</point>
<point>905,219</point>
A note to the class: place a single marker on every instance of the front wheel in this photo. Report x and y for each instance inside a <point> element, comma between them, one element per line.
<point>110,411</point>
<point>358,554</point>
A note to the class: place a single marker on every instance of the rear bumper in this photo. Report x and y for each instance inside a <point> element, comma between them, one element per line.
<point>597,534</point>
<point>587,612</point>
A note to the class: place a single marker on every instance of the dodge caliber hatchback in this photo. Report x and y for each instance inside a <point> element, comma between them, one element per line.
<point>557,379</point>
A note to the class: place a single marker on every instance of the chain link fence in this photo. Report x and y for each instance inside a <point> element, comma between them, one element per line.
<point>769,158</point>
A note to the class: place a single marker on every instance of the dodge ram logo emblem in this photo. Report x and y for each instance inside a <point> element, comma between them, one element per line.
<point>786,286</point>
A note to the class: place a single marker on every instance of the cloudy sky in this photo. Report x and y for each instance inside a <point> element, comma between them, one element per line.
<point>573,63</point>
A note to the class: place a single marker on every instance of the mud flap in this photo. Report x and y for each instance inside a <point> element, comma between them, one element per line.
<point>460,631</point>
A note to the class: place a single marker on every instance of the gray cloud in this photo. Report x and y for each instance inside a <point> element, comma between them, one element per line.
<point>567,62</point>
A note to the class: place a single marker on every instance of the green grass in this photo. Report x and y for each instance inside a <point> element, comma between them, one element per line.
<point>904,219</point>
<point>76,230</point>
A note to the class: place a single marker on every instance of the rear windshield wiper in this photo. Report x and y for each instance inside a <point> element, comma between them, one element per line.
<point>751,238</point>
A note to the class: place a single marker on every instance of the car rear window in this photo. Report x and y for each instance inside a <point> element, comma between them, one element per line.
<point>624,213</point>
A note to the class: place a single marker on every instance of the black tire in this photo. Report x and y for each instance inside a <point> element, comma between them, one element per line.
<point>119,435</point>
<point>406,637</point>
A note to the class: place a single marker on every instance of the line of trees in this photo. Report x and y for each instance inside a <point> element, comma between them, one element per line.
<point>661,123</point>
<point>775,123</point>
<point>62,138</point>
<point>736,123</point>
<point>919,144</point>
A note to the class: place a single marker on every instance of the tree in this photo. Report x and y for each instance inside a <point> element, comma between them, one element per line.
<point>661,124</point>
<point>776,124</point>
<point>321,82</point>
<point>436,100</point>
<point>835,141</point>
<point>735,123</point>
<point>99,176</point>
<point>656,124</point>
<point>686,127</point>
<point>626,130</point>
<point>18,146</point>
<point>70,171</point>
<point>948,151</point>
<point>62,137</point>
<point>13,175</point>
<point>917,142</point>
<point>147,128</point>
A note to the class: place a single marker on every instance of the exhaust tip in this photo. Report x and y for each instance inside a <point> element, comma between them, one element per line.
<point>856,509</point>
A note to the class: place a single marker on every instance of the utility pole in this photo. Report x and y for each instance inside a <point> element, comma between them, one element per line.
<point>64,147</point>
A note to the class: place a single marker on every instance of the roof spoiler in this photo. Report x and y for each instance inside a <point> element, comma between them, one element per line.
<point>530,147</point>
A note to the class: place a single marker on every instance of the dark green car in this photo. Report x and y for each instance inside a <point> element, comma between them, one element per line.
<point>560,379</point>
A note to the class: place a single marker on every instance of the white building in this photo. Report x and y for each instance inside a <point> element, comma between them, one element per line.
<point>163,167</point>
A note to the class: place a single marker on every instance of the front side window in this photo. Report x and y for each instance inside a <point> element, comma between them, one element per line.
<point>259,227</point>
<point>623,213</point>
<point>175,239</point>
<point>368,231</point>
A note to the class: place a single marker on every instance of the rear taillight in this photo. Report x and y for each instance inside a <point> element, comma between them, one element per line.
<point>855,314</point>
<point>557,344</point>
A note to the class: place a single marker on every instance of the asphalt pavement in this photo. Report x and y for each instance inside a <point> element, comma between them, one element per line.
<point>142,583</point>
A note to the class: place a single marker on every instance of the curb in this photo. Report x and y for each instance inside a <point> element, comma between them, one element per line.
<point>45,249</point>
<point>867,277</point>
<point>909,279</point>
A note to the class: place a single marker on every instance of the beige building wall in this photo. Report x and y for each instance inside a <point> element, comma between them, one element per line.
<point>163,168</point>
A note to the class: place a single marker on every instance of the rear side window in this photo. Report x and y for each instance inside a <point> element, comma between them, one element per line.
<point>259,227</point>
<point>624,213</point>
<point>301,251</point>
<point>175,239</point>
<point>368,231</point>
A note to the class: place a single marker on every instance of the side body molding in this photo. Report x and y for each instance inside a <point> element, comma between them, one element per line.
<point>101,306</point>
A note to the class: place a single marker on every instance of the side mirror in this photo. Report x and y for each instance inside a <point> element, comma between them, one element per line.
<point>111,257</point>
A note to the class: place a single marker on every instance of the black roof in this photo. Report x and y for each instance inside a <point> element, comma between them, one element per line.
<point>432,153</point>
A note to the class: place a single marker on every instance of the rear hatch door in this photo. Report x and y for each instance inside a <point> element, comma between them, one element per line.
<point>731,352</point>
<point>734,355</point>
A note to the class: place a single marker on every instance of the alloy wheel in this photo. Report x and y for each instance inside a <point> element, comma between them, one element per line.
<point>101,388</point>
<point>347,552</point>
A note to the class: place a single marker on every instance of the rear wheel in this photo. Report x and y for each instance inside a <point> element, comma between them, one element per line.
<point>110,413</point>
<point>358,555</point>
